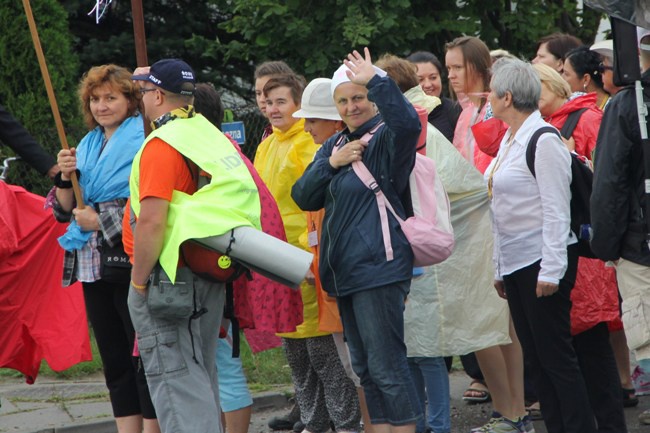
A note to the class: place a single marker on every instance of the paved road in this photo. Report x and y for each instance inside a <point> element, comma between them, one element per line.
<point>83,407</point>
<point>464,416</point>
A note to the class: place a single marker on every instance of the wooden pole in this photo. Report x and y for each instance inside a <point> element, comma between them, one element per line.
<point>140,48</point>
<point>138,32</point>
<point>51,96</point>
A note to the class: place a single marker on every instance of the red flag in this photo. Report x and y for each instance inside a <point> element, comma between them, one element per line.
<point>39,319</point>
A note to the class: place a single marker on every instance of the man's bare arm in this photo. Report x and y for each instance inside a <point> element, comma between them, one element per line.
<point>149,235</point>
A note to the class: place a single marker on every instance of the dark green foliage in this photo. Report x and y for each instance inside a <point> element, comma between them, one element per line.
<point>313,36</point>
<point>186,29</point>
<point>22,89</point>
<point>224,39</point>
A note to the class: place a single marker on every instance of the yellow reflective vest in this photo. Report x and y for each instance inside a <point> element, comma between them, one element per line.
<point>230,199</point>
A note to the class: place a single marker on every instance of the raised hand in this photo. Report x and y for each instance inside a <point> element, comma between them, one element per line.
<point>362,69</point>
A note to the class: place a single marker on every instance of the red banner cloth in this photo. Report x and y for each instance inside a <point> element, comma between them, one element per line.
<point>39,319</point>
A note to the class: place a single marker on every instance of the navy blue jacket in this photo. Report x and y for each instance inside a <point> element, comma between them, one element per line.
<point>20,141</point>
<point>352,254</point>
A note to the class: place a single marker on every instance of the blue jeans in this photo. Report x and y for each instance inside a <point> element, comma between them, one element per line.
<point>430,374</point>
<point>373,324</point>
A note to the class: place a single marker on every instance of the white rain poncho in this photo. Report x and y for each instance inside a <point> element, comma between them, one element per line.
<point>453,308</point>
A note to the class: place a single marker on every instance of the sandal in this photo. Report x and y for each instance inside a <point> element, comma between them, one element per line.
<point>629,397</point>
<point>474,394</point>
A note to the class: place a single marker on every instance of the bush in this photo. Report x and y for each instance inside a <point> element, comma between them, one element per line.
<point>22,89</point>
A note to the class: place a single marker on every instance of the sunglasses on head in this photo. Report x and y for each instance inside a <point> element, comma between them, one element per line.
<point>602,67</point>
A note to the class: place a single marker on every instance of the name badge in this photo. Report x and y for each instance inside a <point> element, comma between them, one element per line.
<point>312,238</point>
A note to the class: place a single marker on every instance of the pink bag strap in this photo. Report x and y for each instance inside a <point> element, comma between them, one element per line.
<point>369,181</point>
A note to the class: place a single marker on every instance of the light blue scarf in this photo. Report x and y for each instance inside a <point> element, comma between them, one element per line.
<point>104,174</point>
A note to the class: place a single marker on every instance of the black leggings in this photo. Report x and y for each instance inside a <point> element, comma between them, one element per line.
<point>109,317</point>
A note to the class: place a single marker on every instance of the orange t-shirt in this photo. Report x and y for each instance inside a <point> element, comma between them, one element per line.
<point>162,170</point>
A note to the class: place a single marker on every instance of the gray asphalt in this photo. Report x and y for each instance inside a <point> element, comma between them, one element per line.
<point>69,406</point>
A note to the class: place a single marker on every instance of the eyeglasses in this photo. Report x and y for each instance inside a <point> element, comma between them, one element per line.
<point>144,90</point>
<point>602,67</point>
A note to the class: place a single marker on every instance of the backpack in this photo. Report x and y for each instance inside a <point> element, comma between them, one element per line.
<point>581,183</point>
<point>205,262</point>
<point>429,230</point>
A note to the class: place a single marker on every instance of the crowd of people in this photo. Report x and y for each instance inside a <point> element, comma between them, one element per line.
<point>543,331</point>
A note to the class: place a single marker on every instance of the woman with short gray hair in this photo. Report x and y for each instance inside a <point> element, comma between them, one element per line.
<point>535,255</point>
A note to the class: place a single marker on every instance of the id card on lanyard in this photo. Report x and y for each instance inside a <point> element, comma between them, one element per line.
<point>312,236</point>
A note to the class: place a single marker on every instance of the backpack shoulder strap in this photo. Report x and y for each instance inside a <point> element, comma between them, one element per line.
<point>366,137</point>
<point>531,148</point>
<point>571,123</point>
<point>369,181</point>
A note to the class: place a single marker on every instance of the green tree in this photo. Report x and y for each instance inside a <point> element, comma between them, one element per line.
<point>186,29</point>
<point>313,36</point>
<point>22,89</point>
<point>224,39</point>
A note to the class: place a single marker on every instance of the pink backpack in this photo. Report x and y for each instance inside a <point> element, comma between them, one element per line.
<point>429,230</point>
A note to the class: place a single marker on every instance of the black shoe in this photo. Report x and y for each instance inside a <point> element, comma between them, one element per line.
<point>287,421</point>
<point>298,427</point>
<point>629,398</point>
<point>280,423</point>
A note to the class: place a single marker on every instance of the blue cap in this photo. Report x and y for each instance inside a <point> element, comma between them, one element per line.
<point>173,75</point>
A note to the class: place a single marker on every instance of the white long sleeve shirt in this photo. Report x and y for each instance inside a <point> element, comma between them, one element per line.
<point>531,215</point>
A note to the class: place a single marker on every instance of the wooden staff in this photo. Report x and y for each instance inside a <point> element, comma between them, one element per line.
<point>138,33</point>
<point>140,48</point>
<point>51,97</point>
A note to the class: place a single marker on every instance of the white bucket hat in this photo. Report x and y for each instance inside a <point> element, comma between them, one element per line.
<point>604,48</point>
<point>317,102</point>
<point>642,33</point>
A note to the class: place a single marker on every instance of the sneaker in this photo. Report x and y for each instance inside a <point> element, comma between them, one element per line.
<point>525,424</point>
<point>641,381</point>
<point>486,427</point>
<point>499,425</point>
<point>644,417</point>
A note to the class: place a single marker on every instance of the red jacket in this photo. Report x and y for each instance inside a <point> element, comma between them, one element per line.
<point>586,131</point>
<point>595,294</point>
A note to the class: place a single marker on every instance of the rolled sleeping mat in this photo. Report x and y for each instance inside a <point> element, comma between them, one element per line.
<point>262,253</point>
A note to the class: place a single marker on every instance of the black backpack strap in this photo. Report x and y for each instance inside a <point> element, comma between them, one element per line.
<point>571,123</point>
<point>532,145</point>
<point>193,168</point>
<point>229,313</point>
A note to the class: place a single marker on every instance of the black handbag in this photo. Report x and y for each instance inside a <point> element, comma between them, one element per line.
<point>114,264</point>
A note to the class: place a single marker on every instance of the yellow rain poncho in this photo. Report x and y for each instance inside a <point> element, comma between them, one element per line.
<point>280,161</point>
